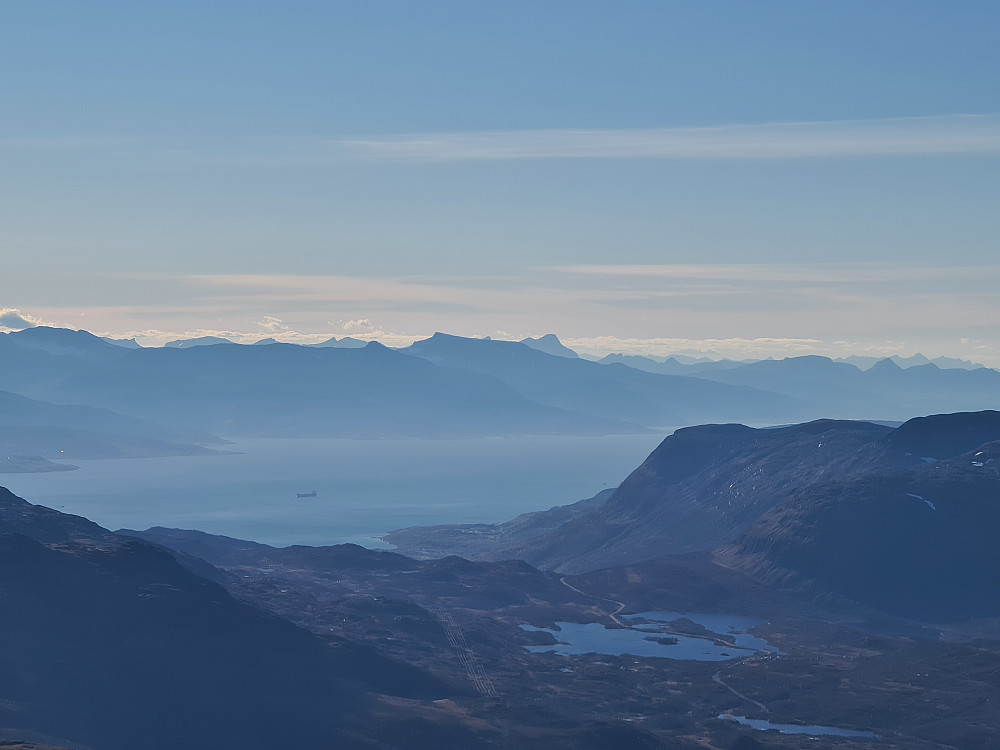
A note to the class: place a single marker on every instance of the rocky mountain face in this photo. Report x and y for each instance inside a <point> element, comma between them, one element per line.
<point>919,544</point>
<point>903,520</point>
<point>698,489</point>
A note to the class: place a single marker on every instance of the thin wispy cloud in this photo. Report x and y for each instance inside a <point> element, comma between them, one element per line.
<point>883,137</point>
<point>826,273</point>
<point>939,134</point>
<point>736,310</point>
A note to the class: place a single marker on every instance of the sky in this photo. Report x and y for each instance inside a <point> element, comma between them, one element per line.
<point>732,178</point>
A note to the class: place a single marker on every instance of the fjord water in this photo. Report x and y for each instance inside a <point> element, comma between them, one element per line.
<point>364,488</point>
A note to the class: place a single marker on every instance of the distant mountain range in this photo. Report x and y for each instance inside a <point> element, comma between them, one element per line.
<point>449,386</point>
<point>945,363</point>
<point>901,519</point>
<point>611,392</point>
<point>680,365</point>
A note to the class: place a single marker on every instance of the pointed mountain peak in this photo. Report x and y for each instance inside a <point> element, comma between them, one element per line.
<point>550,344</point>
<point>947,435</point>
<point>886,365</point>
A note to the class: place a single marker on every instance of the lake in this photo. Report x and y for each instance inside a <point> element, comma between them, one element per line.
<point>810,730</point>
<point>737,627</point>
<point>593,638</point>
<point>652,636</point>
<point>364,488</point>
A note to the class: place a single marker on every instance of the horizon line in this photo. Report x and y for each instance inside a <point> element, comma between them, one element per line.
<point>628,346</point>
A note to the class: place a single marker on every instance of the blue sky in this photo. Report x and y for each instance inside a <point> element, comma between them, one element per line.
<point>755,178</point>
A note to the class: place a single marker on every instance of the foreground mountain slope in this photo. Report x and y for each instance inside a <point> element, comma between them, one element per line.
<point>109,643</point>
<point>903,520</point>
<point>920,544</point>
<point>697,490</point>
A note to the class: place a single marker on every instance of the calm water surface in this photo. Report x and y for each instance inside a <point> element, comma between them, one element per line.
<point>594,638</point>
<point>736,626</point>
<point>641,638</point>
<point>364,488</point>
<point>811,730</point>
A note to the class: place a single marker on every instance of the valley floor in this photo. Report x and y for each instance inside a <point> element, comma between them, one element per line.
<point>463,622</point>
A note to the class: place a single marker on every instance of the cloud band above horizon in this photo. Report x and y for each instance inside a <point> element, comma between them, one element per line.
<point>746,310</point>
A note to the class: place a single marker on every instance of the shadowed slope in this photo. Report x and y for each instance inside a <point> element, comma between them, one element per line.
<point>109,642</point>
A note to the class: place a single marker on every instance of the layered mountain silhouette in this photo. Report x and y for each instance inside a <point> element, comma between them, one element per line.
<point>669,365</point>
<point>283,389</point>
<point>612,391</point>
<point>453,386</point>
<point>884,391</point>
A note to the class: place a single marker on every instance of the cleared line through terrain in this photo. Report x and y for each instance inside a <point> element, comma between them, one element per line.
<point>465,654</point>
<point>717,678</point>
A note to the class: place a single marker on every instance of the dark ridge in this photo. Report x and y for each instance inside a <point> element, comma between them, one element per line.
<point>946,435</point>
<point>111,643</point>
<point>692,449</point>
<point>227,551</point>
